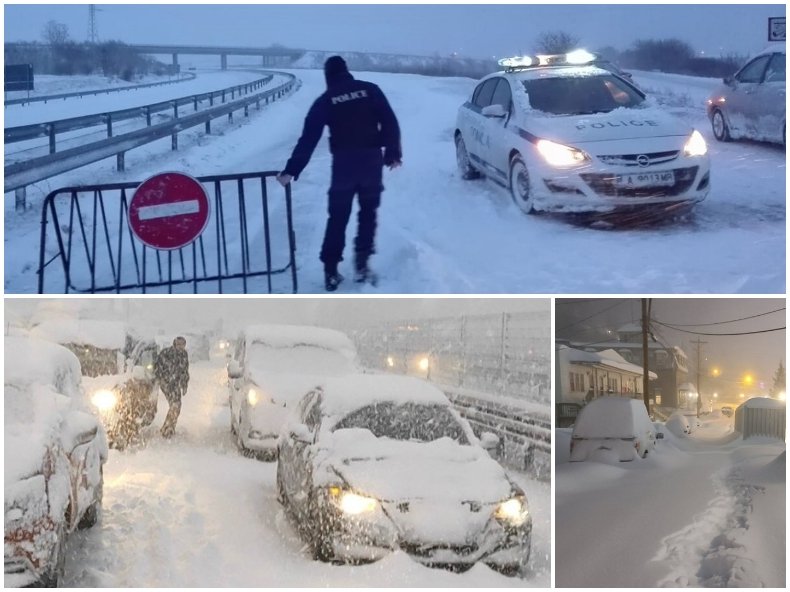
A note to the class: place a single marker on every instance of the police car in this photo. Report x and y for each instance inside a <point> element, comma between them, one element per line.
<point>565,135</point>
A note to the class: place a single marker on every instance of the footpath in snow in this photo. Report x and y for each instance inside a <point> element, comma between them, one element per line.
<point>707,510</point>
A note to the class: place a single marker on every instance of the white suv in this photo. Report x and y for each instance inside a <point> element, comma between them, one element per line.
<point>565,135</point>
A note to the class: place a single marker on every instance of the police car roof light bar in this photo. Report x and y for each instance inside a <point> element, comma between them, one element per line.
<point>577,57</point>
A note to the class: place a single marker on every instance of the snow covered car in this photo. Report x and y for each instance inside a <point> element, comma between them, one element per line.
<point>565,135</point>
<point>614,424</point>
<point>54,452</point>
<point>117,370</point>
<point>751,104</point>
<point>373,463</point>
<point>271,368</point>
<point>727,410</point>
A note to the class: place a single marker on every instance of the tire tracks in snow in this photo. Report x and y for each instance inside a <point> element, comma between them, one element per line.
<point>709,552</point>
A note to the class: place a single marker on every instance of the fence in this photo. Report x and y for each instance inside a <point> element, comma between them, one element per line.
<point>768,420</point>
<point>87,247</point>
<point>507,354</point>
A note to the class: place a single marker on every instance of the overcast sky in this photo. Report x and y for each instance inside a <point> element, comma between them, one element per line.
<point>470,30</point>
<point>736,355</point>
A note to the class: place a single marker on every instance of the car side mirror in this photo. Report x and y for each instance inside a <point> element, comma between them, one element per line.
<point>659,435</point>
<point>729,80</point>
<point>489,441</point>
<point>494,111</point>
<point>234,369</point>
<point>300,433</point>
<point>83,428</point>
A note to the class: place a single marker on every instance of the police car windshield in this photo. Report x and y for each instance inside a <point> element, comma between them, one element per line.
<point>578,95</point>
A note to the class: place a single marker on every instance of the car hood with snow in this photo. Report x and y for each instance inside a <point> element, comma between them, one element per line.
<point>620,124</point>
<point>392,470</point>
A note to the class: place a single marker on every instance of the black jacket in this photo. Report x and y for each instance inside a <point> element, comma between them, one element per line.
<point>171,369</point>
<point>359,118</point>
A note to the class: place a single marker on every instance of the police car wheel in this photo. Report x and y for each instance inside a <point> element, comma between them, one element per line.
<point>520,185</point>
<point>462,158</point>
<point>719,125</point>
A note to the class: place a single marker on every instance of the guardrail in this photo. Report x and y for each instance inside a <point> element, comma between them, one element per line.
<point>525,438</point>
<point>96,91</point>
<point>32,131</point>
<point>19,175</point>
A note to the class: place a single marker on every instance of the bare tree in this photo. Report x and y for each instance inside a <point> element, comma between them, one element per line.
<point>553,42</point>
<point>55,33</point>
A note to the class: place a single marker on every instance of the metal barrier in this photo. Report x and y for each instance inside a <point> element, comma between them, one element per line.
<point>97,91</point>
<point>768,420</point>
<point>86,230</point>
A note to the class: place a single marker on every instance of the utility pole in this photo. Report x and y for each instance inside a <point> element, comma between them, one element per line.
<point>699,364</point>
<point>93,33</point>
<point>645,369</point>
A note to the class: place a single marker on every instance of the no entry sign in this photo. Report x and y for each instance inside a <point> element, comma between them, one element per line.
<point>169,211</point>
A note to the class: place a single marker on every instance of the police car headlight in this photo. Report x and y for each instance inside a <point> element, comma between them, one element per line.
<point>559,154</point>
<point>695,145</point>
<point>104,400</point>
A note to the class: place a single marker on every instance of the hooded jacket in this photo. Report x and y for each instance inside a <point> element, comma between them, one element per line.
<point>358,115</point>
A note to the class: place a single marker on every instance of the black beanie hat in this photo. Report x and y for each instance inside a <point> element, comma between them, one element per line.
<point>335,70</point>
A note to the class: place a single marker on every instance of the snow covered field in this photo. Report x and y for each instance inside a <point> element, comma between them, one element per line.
<point>441,234</point>
<point>192,512</point>
<point>706,510</point>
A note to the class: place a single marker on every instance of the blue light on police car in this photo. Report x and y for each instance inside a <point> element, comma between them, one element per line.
<point>516,62</point>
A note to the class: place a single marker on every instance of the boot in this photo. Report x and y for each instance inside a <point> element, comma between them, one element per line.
<point>332,277</point>
<point>363,273</point>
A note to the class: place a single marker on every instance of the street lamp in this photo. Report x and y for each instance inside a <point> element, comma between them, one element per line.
<point>715,372</point>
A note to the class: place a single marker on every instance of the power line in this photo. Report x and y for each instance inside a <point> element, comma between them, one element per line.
<point>618,303</point>
<point>720,334</point>
<point>762,314</point>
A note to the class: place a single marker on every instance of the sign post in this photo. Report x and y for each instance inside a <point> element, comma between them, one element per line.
<point>169,211</point>
<point>18,77</point>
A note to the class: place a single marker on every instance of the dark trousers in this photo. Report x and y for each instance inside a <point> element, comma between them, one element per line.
<point>353,174</point>
<point>174,400</point>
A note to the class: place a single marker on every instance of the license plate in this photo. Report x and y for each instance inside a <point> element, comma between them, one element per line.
<point>657,179</point>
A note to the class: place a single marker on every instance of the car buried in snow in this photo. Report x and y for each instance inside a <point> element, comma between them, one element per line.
<point>751,104</point>
<point>373,463</point>
<point>271,367</point>
<point>615,427</point>
<point>117,370</point>
<point>54,452</point>
<point>565,135</point>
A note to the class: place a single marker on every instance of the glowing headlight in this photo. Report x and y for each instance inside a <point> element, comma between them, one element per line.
<point>390,361</point>
<point>424,364</point>
<point>513,511</point>
<point>104,400</point>
<point>352,503</point>
<point>695,145</point>
<point>253,397</point>
<point>559,154</point>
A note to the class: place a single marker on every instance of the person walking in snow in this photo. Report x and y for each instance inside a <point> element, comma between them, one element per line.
<point>361,123</point>
<point>171,370</point>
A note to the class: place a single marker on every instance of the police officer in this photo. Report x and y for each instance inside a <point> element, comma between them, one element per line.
<point>171,370</point>
<point>361,123</point>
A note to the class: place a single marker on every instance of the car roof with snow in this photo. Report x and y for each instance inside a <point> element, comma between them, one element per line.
<point>344,394</point>
<point>611,417</point>
<point>101,334</point>
<point>285,336</point>
<point>557,71</point>
<point>29,360</point>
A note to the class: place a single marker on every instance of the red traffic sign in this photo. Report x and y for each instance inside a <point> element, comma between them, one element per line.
<point>169,211</point>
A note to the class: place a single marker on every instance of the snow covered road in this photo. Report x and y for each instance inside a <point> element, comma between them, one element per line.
<point>692,515</point>
<point>192,512</point>
<point>441,234</point>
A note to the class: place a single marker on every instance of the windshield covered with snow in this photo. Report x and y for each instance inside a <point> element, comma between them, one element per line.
<point>409,421</point>
<point>300,359</point>
<point>95,361</point>
<point>580,95</point>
